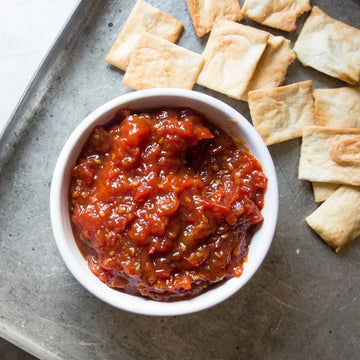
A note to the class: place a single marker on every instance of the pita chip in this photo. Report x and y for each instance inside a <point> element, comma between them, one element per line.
<point>337,220</point>
<point>280,114</point>
<point>157,62</point>
<point>143,17</point>
<point>204,13</point>
<point>323,190</point>
<point>274,13</point>
<point>330,46</point>
<point>337,107</point>
<point>330,155</point>
<point>231,55</point>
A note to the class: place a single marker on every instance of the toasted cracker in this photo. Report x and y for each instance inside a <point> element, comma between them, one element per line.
<point>231,55</point>
<point>337,220</point>
<point>277,14</point>
<point>271,69</point>
<point>204,13</point>
<point>279,114</point>
<point>337,107</point>
<point>156,62</point>
<point>330,46</point>
<point>330,155</point>
<point>143,17</point>
<point>323,190</point>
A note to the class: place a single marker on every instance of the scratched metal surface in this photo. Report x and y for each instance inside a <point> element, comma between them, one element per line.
<point>303,303</point>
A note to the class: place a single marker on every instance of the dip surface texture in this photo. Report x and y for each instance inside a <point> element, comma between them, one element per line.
<point>163,203</point>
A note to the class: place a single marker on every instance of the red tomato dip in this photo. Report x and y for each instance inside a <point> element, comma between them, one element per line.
<point>163,203</point>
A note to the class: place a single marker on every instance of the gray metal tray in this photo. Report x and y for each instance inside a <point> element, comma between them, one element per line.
<point>302,304</point>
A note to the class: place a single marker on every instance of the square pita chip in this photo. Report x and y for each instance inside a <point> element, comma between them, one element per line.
<point>204,13</point>
<point>143,17</point>
<point>271,69</point>
<point>337,107</point>
<point>337,220</point>
<point>276,14</point>
<point>329,46</point>
<point>280,114</point>
<point>157,62</point>
<point>231,55</point>
<point>330,155</point>
<point>323,190</point>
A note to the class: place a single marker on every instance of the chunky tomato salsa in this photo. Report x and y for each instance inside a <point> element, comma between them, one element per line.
<point>164,204</point>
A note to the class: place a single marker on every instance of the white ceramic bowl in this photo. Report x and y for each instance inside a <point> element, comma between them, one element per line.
<point>219,113</point>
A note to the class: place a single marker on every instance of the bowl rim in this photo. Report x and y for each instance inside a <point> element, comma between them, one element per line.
<point>60,222</point>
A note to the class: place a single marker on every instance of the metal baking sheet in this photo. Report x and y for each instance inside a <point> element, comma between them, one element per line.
<point>303,303</point>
